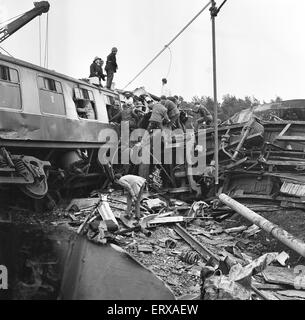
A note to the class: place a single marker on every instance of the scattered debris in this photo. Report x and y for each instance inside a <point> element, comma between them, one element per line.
<point>200,249</point>
<point>220,287</point>
<point>292,294</point>
<point>155,203</point>
<point>190,257</point>
<point>145,248</point>
<point>170,243</point>
<point>279,275</point>
<point>282,258</point>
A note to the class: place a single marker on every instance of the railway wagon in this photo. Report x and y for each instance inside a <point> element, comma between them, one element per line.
<point>50,128</point>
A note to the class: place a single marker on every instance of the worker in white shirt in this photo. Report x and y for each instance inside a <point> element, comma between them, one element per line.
<point>165,91</point>
<point>135,186</point>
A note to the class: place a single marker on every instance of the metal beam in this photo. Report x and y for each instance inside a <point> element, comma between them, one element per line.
<point>206,254</point>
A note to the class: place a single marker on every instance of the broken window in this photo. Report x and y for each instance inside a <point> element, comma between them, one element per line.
<point>85,104</point>
<point>9,88</point>
<point>51,96</point>
<point>113,108</point>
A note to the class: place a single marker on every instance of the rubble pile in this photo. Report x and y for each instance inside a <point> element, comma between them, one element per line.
<point>263,162</point>
<point>226,247</point>
<point>190,247</point>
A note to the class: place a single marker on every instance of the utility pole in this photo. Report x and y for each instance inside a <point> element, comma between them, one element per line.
<point>214,12</point>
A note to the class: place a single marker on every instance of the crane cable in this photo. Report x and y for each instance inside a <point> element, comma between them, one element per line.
<point>46,53</point>
<point>167,45</point>
<point>40,49</point>
<point>170,62</point>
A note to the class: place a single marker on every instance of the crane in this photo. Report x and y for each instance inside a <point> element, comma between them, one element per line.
<point>9,29</point>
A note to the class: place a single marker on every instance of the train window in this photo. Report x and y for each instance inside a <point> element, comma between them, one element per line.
<point>50,84</point>
<point>51,96</point>
<point>9,74</point>
<point>58,87</point>
<point>9,88</point>
<point>113,108</point>
<point>91,96</point>
<point>14,76</point>
<point>5,73</point>
<point>85,105</point>
<point>85,94</point>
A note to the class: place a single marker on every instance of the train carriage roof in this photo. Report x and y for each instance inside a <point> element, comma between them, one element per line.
<point>29,65</point>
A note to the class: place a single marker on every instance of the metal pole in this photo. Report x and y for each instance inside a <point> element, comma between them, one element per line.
<point>214,11</point>
<point>283,236</point>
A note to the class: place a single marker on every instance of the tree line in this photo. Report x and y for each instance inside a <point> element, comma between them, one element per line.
<point>229,105</point>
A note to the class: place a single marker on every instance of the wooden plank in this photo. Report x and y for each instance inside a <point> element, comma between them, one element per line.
<point>271,295</point>
<point>284,130</point>
<point>279,275</point>
<point>292,138</point>
<point>284,163</point>
<point>268,286</point>
<point>293,293</point>
<point>166,220</point>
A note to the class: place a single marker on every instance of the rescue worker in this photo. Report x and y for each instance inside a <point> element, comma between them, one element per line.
<point>134,185</point>
<point>205,117</point>
<point>129,115</point>
<point>138,112</point>
<point>172,111</point>
<point>158,116</point>
<point>144,122</point>
<point>111,66</point>
<point>129,98</point>
<point>96,69</point>
<point>115,114</point>
<point>165,91</point>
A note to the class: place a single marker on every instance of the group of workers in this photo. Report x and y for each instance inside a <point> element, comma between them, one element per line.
<point>96,68</point>
<point>148,114</point>
<point>166,113</point>
<point>144,112</point>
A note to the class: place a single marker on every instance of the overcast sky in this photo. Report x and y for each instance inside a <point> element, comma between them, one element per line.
<point>260,44</point>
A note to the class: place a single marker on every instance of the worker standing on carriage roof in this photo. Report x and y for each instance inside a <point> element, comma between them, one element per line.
<point>111,66</point>
<point>96,69</point>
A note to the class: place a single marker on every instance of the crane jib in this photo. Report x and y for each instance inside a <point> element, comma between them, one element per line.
<point>9,29</point>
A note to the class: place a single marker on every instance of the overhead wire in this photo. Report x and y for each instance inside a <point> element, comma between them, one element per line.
<point>167,45</point>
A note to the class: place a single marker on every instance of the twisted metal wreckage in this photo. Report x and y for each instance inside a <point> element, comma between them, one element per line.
<point>49,146</point>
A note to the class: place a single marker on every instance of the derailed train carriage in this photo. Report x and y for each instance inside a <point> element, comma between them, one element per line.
<point>50,128</point>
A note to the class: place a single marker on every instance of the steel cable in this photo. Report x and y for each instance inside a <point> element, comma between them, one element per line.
<point>167,45</point>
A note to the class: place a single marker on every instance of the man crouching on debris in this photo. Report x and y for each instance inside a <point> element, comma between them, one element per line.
<point>135,187</point>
